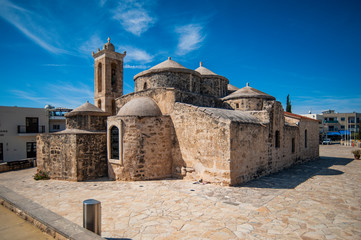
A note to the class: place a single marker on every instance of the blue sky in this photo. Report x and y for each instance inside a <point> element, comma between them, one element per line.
<point>308,49</point>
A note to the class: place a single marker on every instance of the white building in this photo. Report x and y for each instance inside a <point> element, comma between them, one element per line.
<point>19,127</point>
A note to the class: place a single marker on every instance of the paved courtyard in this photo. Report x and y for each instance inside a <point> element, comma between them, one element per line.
<point>316,200</point>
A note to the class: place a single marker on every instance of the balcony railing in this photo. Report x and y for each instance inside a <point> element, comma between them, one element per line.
<point>330,121</point>
<point>22,129</point>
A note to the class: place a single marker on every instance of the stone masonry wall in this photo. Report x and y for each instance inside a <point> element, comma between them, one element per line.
<point>204,145</point>
<point>180,80</point>
<point>146,152</point>
<point>86,122</point>
<point>166,97</point>
<point>74,157</point>
<point>56,155</point>
<point>249,152</point>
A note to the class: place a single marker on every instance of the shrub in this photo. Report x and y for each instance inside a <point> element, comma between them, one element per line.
<point>41,175</point>
<point>356,153</point>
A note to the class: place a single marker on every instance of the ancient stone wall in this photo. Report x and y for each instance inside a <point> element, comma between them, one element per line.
<point>86,122</point>
<point>202,148</point>
<point>145,148</point>
<point>249,152</point>
<point>184,81</point>
<point>74,157</point>
<point>166,97</point>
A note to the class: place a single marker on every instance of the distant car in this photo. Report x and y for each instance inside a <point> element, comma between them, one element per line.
<point>326,141</point>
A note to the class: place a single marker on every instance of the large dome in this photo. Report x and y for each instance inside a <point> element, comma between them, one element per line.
<point>141,107</point>
<point>167,66</point>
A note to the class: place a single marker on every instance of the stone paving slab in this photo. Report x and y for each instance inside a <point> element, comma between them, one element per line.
<point>320,199</point>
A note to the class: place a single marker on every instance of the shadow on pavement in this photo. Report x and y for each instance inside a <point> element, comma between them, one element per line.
<point>297,174</point>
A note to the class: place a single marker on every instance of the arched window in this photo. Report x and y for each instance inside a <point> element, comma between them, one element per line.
<point>100,70</point>
<point>277,139</point>
<point>114,143</point>
<point>99,104</point>
<point>114,76</point>
<point>306,138</point>
<point>145,86</point>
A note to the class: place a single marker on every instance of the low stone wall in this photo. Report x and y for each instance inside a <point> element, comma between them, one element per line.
<point>16,165</point>
<point>75,157</point>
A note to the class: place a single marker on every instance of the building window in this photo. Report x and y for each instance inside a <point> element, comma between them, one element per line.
<point>31,149</point>
<point>32,125</point>
<point>293,145</point>
<point>237,105</point>
<point>330,128</point>
<point>114,76</point>
<point>114,143</point>
<point>145,86</point>
<point>342,127</point>
<point>277,139</point>
<point>99,104</point>
<point>342,119</point>
<point>56,127</point>
<point>100,77</point>
<point>306,138</point>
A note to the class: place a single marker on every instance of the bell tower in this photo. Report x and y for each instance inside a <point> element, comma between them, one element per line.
<point>108,77</point>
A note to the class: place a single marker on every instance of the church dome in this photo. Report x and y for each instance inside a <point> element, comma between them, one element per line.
<point>205,71</point>
<point>167,66</point>
<point>141,107</point>
<point>248,92</point>
<point>109,46</point>
<point>86,109</point>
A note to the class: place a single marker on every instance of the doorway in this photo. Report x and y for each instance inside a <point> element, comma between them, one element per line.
<point>31,149</point>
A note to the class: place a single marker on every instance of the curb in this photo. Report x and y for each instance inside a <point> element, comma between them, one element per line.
<point>47,221</point>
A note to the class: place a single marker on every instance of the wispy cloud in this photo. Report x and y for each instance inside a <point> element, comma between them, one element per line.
<point>28,95</point>
<point>190,38</point>
<point>136,55</point>
<point>27,23</point>
<point>60,94</point>
<point>133,17</point>
<point>92,44</point>
<point>136,66</point>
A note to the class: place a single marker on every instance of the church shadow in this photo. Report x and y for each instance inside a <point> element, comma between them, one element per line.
<point>297,174</point>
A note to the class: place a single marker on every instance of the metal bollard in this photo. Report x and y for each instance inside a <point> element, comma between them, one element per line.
<point>92,215</point>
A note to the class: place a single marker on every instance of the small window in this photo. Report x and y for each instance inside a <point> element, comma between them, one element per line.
<point>114,76</point>
<point>342,119</point>
<point>145,86</point>
<point>114,143</point>
<point>293,145</point>
<point>56,126</point>
<point>100,77</point>
<point>99,104</point>
<point>306,138</point>
<point>237,105</point>
<point>277,139</point>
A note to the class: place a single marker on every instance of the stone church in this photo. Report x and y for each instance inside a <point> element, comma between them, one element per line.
<point>178,123</point>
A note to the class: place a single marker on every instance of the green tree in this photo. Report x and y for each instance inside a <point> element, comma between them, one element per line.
<point>288,107</point>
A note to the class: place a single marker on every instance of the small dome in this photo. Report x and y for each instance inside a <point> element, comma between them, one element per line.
<point>109,46</point>
<point>205,71</point>
<point>141,107</point>
<point>248,92</point>
<point>87,107</point>
<point>232,88</point>
<point>169,63</point>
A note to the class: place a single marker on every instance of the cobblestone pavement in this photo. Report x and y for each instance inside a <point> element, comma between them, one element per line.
<point>320,199</point>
